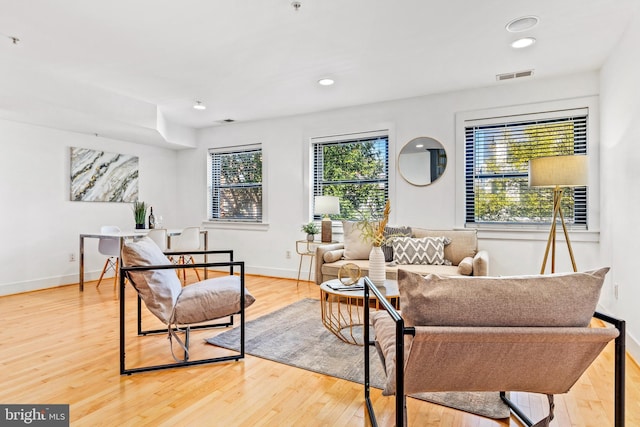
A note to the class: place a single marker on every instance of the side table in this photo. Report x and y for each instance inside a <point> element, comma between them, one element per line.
<point>306,248</point>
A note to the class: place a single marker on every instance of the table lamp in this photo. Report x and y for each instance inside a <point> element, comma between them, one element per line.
<point>326,205</point>
<point>558,172</point>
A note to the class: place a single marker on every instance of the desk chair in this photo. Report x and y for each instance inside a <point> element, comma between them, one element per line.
<point>187,240</point>
<point>110,246</point>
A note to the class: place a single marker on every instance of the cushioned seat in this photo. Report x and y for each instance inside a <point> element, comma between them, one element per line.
<point>152,275</point>
<point>525,333</point>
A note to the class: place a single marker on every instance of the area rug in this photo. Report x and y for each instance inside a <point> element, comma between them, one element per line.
<point>295,336</point>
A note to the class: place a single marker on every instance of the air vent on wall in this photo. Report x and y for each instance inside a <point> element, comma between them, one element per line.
<point>516,75</point>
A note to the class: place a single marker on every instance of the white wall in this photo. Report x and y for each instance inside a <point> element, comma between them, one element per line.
<point>620,166</point>
<point>285,144</point>
<point>40,225</point>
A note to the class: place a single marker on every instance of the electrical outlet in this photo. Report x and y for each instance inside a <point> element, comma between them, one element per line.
<point>288,254</point>
<point>72,257</point>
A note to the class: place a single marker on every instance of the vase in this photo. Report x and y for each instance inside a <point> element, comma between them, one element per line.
<point>139,226</point>
<point>310,237</point>
<point>377,272</point>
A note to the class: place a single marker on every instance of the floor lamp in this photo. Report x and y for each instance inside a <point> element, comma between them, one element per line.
<point>326,205</point>
<point>558,172</point>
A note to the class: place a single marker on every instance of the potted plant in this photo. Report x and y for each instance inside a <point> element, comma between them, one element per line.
<point>311,229</point>
<point>139,213</point>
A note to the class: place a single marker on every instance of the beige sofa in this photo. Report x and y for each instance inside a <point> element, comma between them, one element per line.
<point>462,252</point>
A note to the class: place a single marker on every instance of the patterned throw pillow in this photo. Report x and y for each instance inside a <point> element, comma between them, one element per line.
<point>423,250</point>
<point>390,231</point>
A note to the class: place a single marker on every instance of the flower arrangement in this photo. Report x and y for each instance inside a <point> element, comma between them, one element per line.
<point>374,230</point>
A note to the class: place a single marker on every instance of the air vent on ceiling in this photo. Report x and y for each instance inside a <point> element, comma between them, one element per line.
<point>516,75</point>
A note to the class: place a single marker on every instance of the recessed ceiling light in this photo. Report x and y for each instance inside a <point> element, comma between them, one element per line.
<point>199,106</point>
<point>522,24</point>
<point>326,82</point>
<point>419,145</point>
<point>523,42</point>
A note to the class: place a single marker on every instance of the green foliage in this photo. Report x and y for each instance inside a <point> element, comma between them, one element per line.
<point>139,212</point>
<point>355,173</point>
<point>310,228</point>
<point>507,197</point>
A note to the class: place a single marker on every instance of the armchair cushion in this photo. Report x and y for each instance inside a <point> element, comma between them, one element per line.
<point>159,289</point>
<point>210,299</point>
<point>564,299</point>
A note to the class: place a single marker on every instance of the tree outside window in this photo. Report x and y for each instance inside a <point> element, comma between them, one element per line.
<point>236,184</point>
<point>497,160</point>
<point>356,171</point>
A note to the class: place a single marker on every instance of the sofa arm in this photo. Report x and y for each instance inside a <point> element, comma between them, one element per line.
<point>320,251</point>
<point>481,264</point>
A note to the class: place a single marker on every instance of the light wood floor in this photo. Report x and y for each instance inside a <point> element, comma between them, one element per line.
<point>61,346</point>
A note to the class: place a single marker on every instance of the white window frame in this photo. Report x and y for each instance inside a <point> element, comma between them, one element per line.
<point>233,223</point>
<point>506,114</point>
<point>387,130</point>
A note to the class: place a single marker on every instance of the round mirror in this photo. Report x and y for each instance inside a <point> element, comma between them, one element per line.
<point>422,161</point>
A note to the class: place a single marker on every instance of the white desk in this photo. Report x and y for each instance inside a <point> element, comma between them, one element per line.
<point>129,234</point>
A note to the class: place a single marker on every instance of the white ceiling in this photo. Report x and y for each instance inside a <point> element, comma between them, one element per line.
<point>132,69</point>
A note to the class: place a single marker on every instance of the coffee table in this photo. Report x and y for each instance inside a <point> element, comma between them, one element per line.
<point>342,307</point>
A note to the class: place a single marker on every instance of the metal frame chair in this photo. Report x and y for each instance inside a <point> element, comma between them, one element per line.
<point>401,331</point>
<point>231,264</point>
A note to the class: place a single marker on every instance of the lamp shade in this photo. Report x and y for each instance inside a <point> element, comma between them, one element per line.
<point>561,171</point>
<point>326,205</point>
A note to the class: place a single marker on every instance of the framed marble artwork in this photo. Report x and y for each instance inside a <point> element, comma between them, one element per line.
<point>99,176</point>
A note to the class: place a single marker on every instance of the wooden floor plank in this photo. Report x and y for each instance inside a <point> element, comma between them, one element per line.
<point>61,346</point>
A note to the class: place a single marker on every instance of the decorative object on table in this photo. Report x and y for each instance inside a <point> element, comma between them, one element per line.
<point>326,205</point>
<point>311,229</point>
<point>374,232</point>
<point>139,213</point>
<point>98,176</point>
<point>349,274</point>
<point>152,219</point>
<point>558,172</point>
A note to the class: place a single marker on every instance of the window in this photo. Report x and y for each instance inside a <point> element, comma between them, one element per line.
<point>354,169</point>
<point>235,177</point>
<point>497,154</point>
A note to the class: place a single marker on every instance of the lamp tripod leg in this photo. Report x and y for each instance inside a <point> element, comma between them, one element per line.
<point>566,236</point>
<point>551,241</point>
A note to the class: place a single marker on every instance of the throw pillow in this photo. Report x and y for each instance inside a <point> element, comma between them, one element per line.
<point>355,246</point>
<point>159,289</point>
<point>333,256</point>
<point>423,250</point>
<point>466,266</point>
<point>561,300</point>
<point>389,232</point>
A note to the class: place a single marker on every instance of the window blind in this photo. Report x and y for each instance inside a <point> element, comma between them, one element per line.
<point>496,170</point>
<point>236,184</point>
<point>356,170</point>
